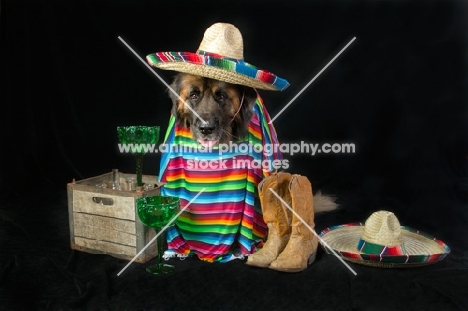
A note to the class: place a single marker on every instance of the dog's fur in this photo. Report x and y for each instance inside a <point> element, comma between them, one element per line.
<point>226,108</point>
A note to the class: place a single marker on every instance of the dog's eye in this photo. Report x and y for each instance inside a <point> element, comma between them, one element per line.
<point>221,96</point>
<point>193,95</point>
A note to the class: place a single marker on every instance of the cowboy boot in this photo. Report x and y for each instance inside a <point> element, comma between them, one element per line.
<point>302,245</point>
<point>276,216</point>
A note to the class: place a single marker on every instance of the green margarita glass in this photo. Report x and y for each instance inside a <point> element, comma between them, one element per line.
<point>157,212</point>
<point>139,139</point>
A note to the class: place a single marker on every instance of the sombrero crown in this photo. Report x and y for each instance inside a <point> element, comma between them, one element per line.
<point>220,56</point>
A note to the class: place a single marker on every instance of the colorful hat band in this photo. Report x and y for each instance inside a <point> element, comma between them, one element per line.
<point>236,66</point>
<point>366,247</point>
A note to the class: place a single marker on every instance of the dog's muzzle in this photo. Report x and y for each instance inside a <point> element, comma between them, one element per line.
<point>207,134</point>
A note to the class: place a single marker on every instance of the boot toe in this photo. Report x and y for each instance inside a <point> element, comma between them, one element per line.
<point>294,263</point>
<point>260,262</point>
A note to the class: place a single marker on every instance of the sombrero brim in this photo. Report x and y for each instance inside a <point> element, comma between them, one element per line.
<point>421,248</point>
<point>223,69</point>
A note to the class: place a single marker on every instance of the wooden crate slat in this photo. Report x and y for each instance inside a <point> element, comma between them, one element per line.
<point>89,230</point>
<point>126,226</point>
<point>103,247</point>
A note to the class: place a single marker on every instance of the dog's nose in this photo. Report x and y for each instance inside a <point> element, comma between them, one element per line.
<point>205,130</point>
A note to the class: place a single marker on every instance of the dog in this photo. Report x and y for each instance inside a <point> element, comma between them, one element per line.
<point>213,110</point>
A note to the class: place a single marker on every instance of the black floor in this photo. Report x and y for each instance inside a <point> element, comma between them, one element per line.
<point>39,271</point>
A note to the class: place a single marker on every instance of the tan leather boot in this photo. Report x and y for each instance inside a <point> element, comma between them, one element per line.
<point>276,216</point>
<point>302,245</point>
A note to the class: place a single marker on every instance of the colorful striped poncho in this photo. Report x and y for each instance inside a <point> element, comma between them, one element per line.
<point>226,216</point>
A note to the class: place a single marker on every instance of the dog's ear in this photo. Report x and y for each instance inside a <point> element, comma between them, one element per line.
<point>250,97</point>
<point>246,112</point>
<point>179,110</point>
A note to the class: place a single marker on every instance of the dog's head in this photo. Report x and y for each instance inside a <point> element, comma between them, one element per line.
<point>226,108</point>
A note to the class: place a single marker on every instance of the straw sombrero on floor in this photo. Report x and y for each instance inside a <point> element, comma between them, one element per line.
<point>220,56</point>
<point>383,242</point>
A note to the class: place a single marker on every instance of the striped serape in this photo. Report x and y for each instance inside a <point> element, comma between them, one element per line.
<point>226,216</point>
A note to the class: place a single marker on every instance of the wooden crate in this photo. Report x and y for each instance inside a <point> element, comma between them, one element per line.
<point>104,221</point>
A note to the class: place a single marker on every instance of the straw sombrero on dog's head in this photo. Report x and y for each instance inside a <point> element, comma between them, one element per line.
<point>383,242</point>
<point>220,56</point>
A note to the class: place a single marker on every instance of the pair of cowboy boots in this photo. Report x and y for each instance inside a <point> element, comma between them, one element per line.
<point>291,246</point>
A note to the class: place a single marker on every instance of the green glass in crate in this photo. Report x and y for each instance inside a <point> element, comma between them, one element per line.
<point>156,212</point>
<point>141,137</point>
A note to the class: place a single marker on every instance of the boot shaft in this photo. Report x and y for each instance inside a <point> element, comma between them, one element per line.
<point>302,203</point>
<point>274,211</point>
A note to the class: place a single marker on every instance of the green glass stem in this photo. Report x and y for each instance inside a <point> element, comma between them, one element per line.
<point>139,168</point>
<point>160,245</point>
<point>160,267</point>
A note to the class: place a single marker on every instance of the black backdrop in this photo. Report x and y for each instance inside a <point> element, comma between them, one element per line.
<point>398,92</point>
